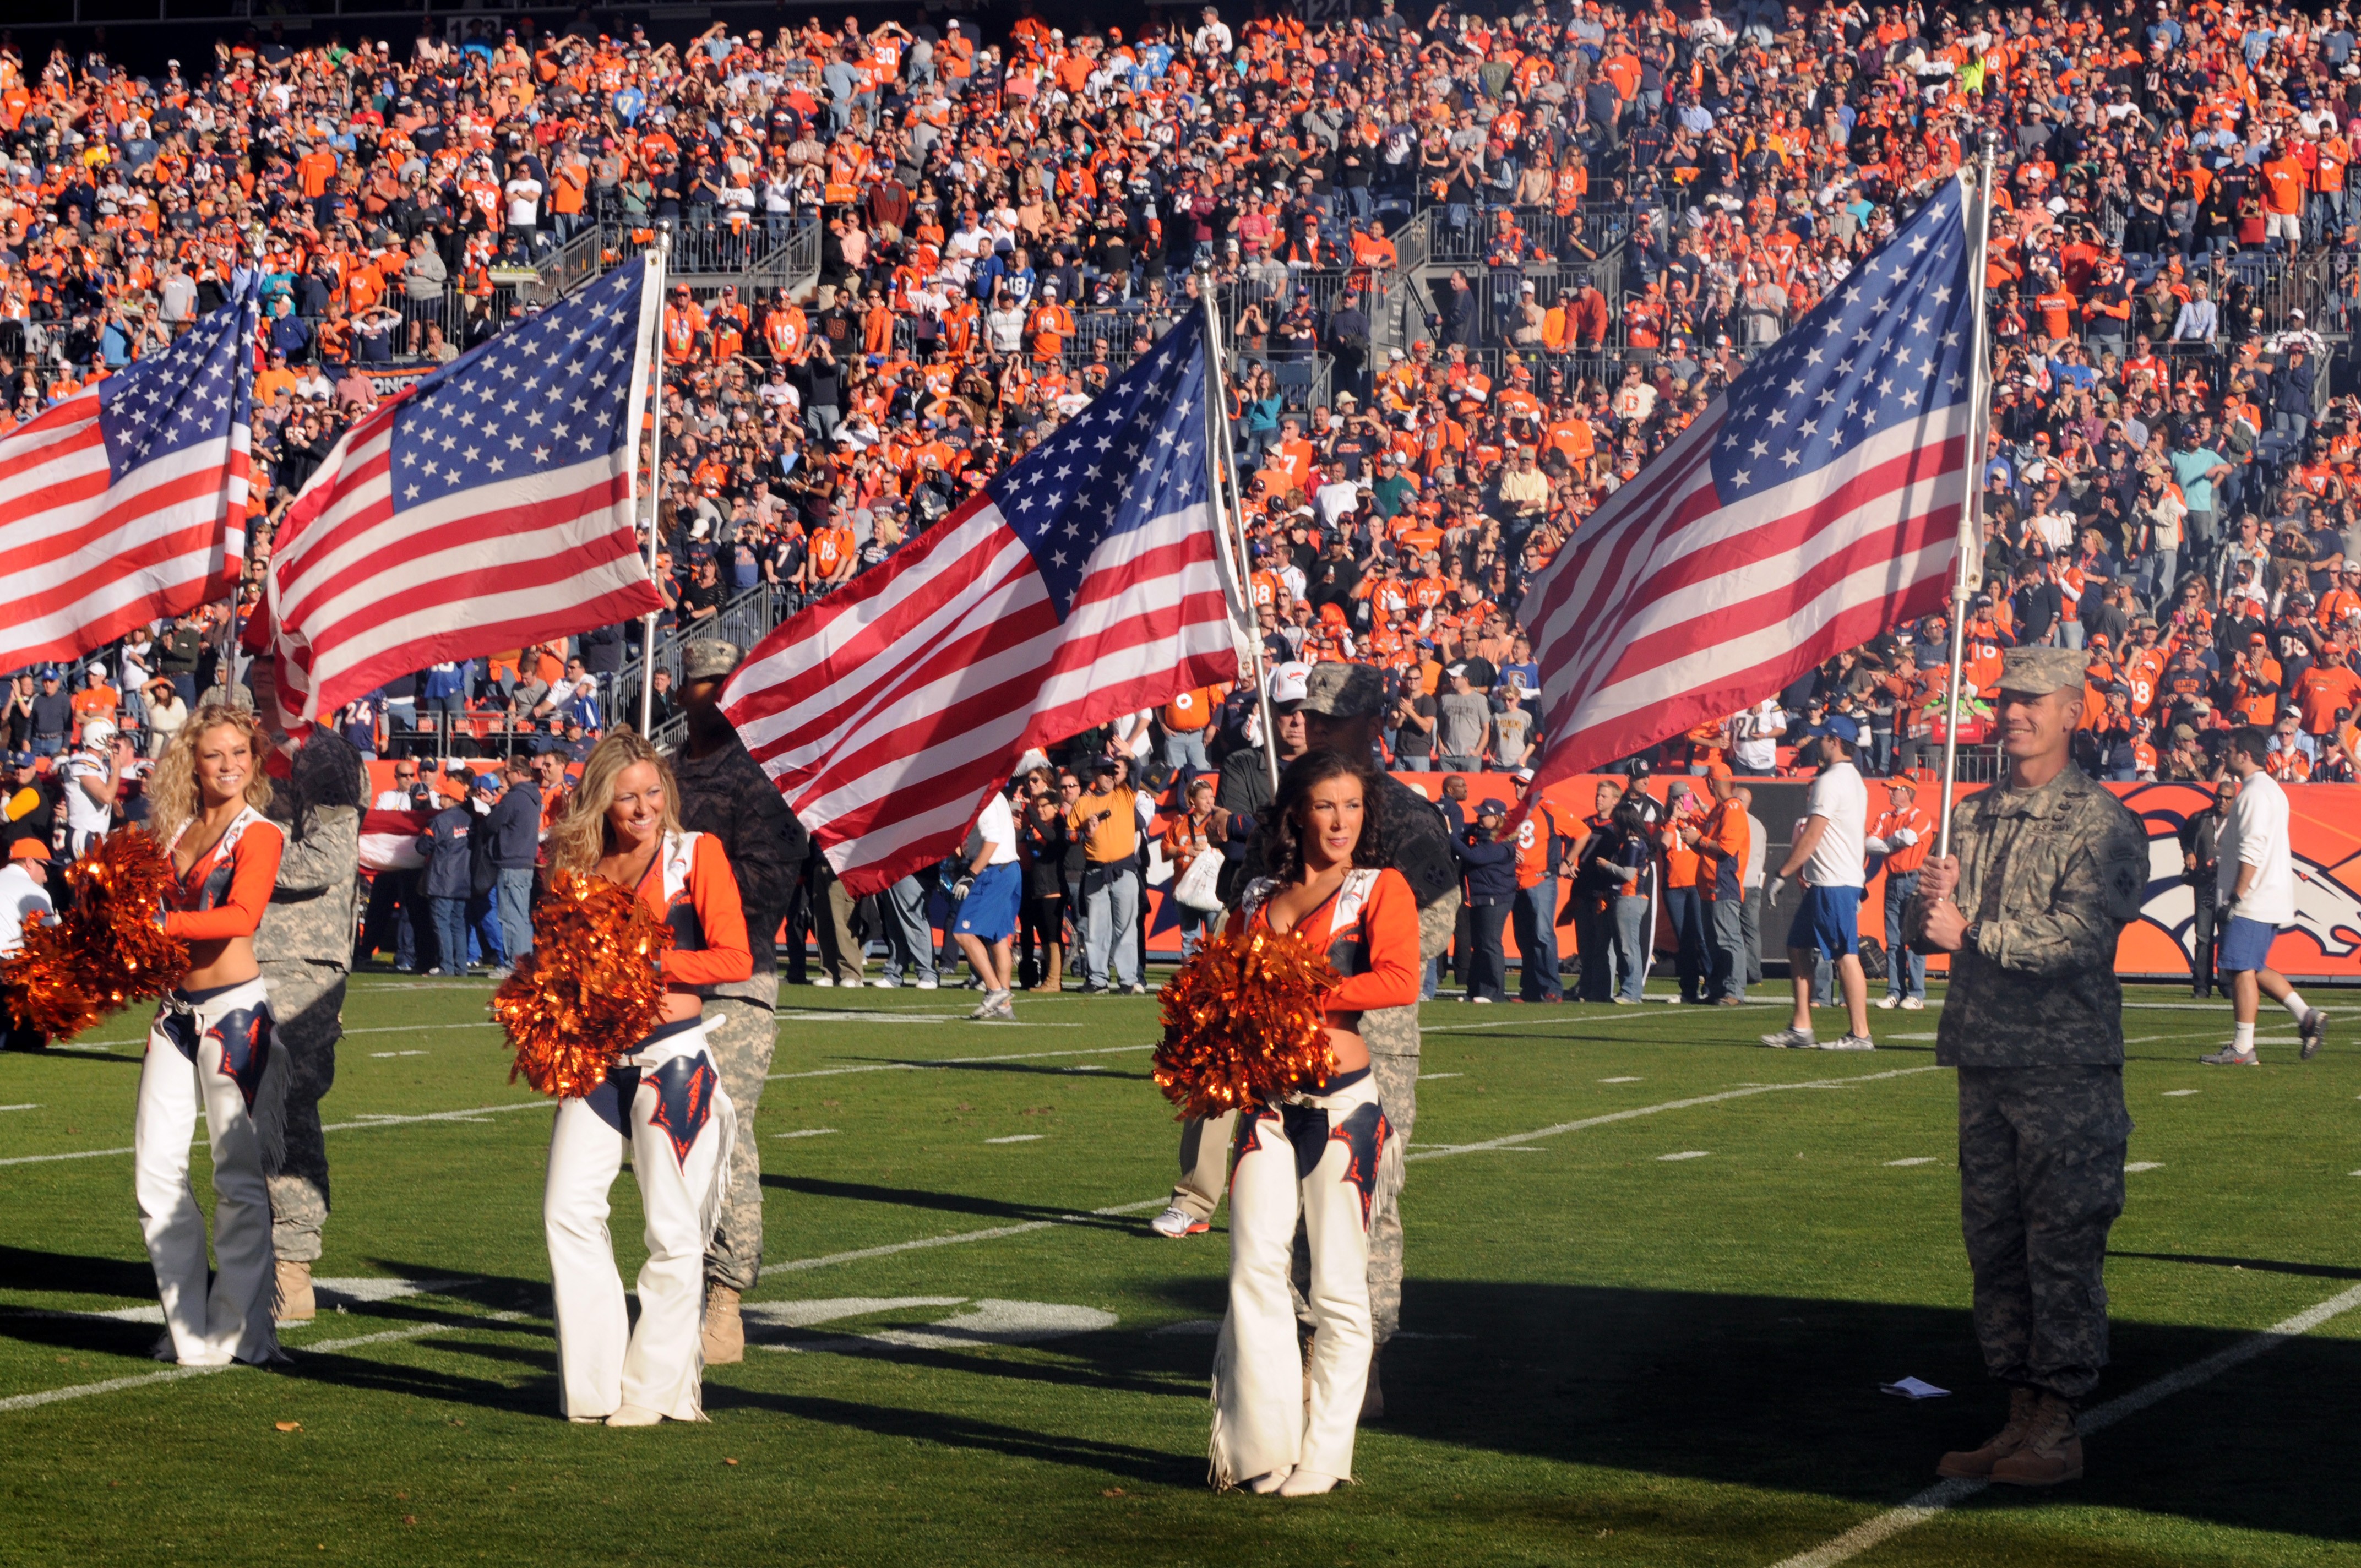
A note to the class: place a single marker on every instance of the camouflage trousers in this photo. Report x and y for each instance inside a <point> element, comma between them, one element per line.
<point>307,1006</point>
<point>2041,1180</point>
<point>740,1037</point>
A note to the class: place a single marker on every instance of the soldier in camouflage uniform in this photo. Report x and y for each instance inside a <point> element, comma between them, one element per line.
<point>2046,871</point>
<point>723,791</point>
<point>305,946</point>
<point>1343,710</point>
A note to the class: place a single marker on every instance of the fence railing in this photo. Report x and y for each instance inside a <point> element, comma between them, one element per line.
<point>744,620</point>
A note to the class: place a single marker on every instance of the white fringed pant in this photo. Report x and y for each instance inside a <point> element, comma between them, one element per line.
<point>208,1054</point>
<point>1315,1157</point>
<point>667,1100</point>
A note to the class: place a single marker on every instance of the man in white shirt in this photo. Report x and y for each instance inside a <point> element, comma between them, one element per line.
<point>1755,738</point>
<point>24,901</point>
<point>93,778</point>
<point>2256,872</point>
<point>1830,853</point>
<point>986,924</point>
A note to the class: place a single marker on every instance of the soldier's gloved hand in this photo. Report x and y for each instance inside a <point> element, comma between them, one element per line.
<point>1774,888</point>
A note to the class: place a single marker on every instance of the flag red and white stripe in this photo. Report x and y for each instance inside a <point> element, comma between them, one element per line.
<point>90,549</point>
<point>1812,507</point>
<point>886,721</point>
<point>888,711</point>
<point>366,586</point>
<point>1676,611</point>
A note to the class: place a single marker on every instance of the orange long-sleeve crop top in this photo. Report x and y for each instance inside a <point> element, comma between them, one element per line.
<point>1385,972</point>
<point>691,887</point>
<point>224,894</point>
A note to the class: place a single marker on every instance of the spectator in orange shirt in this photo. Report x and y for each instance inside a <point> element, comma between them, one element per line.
<point>1683,908</point>
<point>1902,834</point>
<point>1187,720</point>
<point>1720,839</point>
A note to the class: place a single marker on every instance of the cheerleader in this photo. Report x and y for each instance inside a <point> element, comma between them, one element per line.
<point>663,1096</point>
<point>211,1046</point>
<point>1315,1155</point>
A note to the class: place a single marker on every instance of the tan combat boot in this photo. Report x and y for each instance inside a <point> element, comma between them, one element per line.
<point>296,1302</point>
<point>725,1330</point>
<point>1976,1464</point>
<point>2051,1453</point>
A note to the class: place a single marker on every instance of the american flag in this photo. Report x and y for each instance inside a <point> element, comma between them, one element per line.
<point>490,505</point>
<point>1812,507</point>
<point>126,502</point>
<point>1081,584</point>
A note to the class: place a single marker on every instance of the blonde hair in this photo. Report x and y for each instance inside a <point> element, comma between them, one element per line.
<point>172,793</point>
<point>579,837</point>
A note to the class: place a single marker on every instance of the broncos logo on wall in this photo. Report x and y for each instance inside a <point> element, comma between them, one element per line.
<point>2326,936</point>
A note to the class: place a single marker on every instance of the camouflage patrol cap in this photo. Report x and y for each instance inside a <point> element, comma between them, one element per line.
<point>709,659</point>
<point>1345,691</point>
<point>2036,671</point>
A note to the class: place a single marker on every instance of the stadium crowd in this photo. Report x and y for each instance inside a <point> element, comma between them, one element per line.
<point>1642,197</point>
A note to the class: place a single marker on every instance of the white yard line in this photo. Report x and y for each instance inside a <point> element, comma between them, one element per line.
<point>366,1124</point>
<point>1638,1111</point>
<point>174,1374</point>
<point>953,1062</point>
<point>1946,1495</point>
<point>997,1232</point>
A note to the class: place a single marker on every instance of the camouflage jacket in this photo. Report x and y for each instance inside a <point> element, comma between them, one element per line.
<point>2048,878</point>
<point>313,905</point>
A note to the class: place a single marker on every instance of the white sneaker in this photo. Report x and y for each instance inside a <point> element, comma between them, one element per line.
<point>1888,1004</point>
<point>823,979</point>
<point>1176,1222</point>
<point>1480,1001</point>
<point>1914,1004</point>
<point>1790,1041</point>
<point>1849,1043</point>
<point>926,985</point>
<point>994,1005</point>
<point>884,985</point>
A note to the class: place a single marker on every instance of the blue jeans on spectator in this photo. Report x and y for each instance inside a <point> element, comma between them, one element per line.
<point>1686,909</point>
<point>909,940</point>
<point>484,942</point>
<point>451,935</point>
<point>49,745</point>
<point>1632,941</point>
<point>1488,968</point>
<point>1899,889</point>
<point>1186,749</point>
<point>1728,958</point>
<point>516,912</point>
<point>1535,913</point>
<point>1112,914</point>
<point>1462,765</point>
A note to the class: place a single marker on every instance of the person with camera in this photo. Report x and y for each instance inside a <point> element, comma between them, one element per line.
<point>1106,819</point>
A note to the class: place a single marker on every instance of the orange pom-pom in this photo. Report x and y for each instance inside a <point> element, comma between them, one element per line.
<point>1243,1023</point>
<point>588,989</point>
<point>106,951</point>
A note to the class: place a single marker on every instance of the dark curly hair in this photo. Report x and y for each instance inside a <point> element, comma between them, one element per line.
<point>1278,839</point>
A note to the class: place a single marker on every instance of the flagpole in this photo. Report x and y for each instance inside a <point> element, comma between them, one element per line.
<point>1222,476</point>
<point>660,264</point>
<point>1971,542</point>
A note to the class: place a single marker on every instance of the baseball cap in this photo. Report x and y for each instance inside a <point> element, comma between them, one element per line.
<point>1844,728</point>
<point>488,783</point>
<point>1289,682</point>
<point>1491,808</point>
<point>29,850</point>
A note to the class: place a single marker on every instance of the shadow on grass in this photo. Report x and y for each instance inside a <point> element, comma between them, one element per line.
<point>1127,1460</point>
<point>948,1203</point>
<point>1781,1393</point>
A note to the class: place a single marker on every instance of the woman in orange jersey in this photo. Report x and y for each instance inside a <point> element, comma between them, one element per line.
<point>211,1046</point>
<point>661,1096</point>
<point>1313,1155</point>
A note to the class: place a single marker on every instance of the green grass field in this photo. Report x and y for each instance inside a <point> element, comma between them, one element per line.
<point>1610,1355</point>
